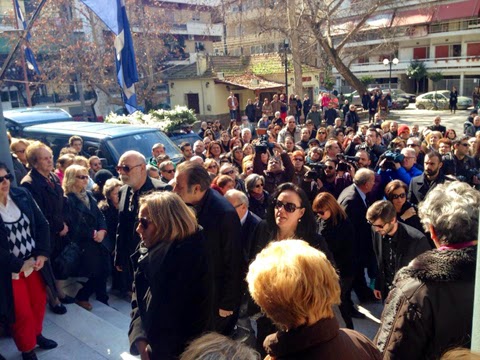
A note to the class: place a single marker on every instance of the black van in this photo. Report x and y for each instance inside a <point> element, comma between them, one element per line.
<point>107,141</point>
<point>16,120</point>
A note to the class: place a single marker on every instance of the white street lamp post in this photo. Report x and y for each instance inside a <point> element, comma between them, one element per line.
<point>390,63</point>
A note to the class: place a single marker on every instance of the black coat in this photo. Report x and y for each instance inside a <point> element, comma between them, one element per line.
<point>340,238</point>
<point>430,308</point>
<point>246,237</point>
<point>410,244</point>
<point>172,296</point>
<point>12,264</point>
<point>111,217</point>
<point>356,211</point>
<point>51,201</point>
<point>222,229</point>
<point>419,188</point>
<point>127,238</point>
<point>257,207</point>
<point>83,221</point>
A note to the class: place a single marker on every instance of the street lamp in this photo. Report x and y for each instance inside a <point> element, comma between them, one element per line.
<point>285,49</point>
<point>388,62</point>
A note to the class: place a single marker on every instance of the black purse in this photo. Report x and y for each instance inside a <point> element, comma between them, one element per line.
<point>68,262</point>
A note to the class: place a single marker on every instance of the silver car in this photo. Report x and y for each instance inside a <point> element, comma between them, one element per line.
<point>440,100</point>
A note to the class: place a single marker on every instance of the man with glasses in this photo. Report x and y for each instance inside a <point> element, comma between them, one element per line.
<point>431,177</point>
<point>132,169</point>
<point>404,170</point>
<point>461,164</point>
<point>291,129</point>
<point>167,171</point>
<point>415,144</point>
<point>395,244</point>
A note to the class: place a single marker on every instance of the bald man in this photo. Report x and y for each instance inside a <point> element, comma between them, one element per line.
<point>132,169</point>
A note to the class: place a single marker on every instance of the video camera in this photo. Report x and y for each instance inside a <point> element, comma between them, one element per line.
<point>344,160</point>
<point>263,145</point>
<point>317,171</point>
<point>391,158</point>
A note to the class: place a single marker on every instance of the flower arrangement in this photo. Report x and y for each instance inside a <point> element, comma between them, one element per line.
<point>165,120</point>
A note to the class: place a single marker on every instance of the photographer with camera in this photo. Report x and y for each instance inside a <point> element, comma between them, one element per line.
<point>461,165</point>
<point>330,176</point>
<point>367,143</point>
<point>272,162</point>
<point>398,165</point>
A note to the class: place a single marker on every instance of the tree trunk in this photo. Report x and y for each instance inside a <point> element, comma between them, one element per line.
<point>341,67</point>
<point>295,42</point>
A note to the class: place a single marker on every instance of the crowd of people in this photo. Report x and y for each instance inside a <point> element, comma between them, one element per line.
<point>273,219</point>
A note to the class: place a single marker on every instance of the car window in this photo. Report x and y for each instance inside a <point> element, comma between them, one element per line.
<point>143,142</point>
<point>440,97</point>
<point>428,96</point>
<point>190,138</point>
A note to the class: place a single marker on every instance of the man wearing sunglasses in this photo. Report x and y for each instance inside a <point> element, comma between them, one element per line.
<point>461,164</point>
<point>167,171</point>
<point>132,170</point>
<point>395,244</point>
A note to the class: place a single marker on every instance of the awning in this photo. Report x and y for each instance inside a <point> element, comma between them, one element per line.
<point>412,17</point>
<point>379,21</point>
<point>457,10</point>
<point>249,81</point>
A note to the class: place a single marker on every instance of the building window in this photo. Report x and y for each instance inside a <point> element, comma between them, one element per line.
<point>473,49</point>
<point>445,51</point>
<point>363,60</point>
<point>420,53</point>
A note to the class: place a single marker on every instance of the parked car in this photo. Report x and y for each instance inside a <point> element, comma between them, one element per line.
<point>16,120</point>
<point>107,141</point>
<point>440,100</point>
<point>399,93</point>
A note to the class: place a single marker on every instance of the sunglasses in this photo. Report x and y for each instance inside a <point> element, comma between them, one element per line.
<point>321,213</point>
<point>20,151</point>
<point>229,172</point>
<point>143,222</point>
<point>413,145</point>
<point>169,171</point>
<point>298,159</point>
<point>82,177</point>
<point>289,207</point>
<point>259,186</point>
<point>212,166</point>
<point>466,144</point>
<point>8,177</point>
<point>321,132</point>
<point>125,168</point>
<point>399,196</point>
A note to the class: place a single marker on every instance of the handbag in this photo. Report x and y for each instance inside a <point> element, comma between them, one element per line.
<point>67,263</point>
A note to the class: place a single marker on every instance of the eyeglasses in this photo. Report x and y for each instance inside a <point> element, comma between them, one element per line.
<point>212,166</point>
<point>466,144</point>
<point>413,145</point>
<point>321,132</point>
<point>143,222</point>
<point>289,207</point>
<point>125,168</point>
<point>397,196</point>
<point>229,172</point>
<point>259,185</point>
<point>321,213</point>
<point>19,151</point>
<point>8,177</point>
<point>298,159</point>
<point>82,177</point>
<point>169,171</point>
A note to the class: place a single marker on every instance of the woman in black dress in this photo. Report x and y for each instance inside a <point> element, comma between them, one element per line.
<point>453,100</point>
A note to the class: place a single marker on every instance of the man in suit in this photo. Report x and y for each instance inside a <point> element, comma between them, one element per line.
<point>248,220</point>
<point>353,200</point>
<point>132,169</point>
<point>431,177</point>
<point>222,230</point>
<point>395,244</point>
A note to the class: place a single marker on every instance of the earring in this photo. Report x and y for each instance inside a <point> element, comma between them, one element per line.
<point>299,220</point>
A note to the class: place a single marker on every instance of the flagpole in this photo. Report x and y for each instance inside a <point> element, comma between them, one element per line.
<point>25,75</point>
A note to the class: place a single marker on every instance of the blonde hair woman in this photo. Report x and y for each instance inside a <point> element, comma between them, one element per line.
<point>296,286</point>
<point>177,306</point>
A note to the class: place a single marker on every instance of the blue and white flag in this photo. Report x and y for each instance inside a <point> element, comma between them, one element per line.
<point>114,15</point>
<point>29,57</point>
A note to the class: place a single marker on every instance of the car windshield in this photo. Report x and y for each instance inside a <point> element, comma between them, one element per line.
<point>143,143</point>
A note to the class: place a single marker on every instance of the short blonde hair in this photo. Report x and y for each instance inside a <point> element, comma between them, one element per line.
<point>70,177</point>
<point>109,186</point>
<point>293,283</point>
<point>82,161</point>
<point>173,219</point>
<point>16,142</point>
<point>31,152</point>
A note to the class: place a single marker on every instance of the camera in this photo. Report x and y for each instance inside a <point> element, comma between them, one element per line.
<point>317,171</point>
<point>263,145</point>
<point>394,156</point>
<point>467,175</point>
<point>344,160</point>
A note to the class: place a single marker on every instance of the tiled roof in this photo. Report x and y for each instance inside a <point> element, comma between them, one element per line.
<point>250,81</point>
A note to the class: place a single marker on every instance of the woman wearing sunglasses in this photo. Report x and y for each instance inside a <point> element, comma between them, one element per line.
<point>338,231</point>
<point>289,216</point>
<point>257,196</point>
<point>396,192</point>
<point>212,167</point>
<point>24,248</point>
<point>88,229</point>
<point>172,300</point>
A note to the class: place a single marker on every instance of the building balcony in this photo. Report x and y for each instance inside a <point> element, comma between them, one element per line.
<point>465,64</point>
<point>195,28</point>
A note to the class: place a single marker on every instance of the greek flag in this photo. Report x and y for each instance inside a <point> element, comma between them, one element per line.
<point>113,14</point>
<point>29,58</point>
